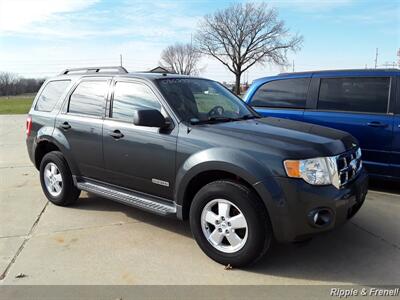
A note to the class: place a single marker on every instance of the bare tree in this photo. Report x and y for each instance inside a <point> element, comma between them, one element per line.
<point>245,34</point>
<point>181,59</point>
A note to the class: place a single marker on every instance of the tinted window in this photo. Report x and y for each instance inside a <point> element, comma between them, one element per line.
<point>130,96</point>
<point>51,94</point>
<point>354,94</point>
<point>89,98</point>
<point>290,93</point>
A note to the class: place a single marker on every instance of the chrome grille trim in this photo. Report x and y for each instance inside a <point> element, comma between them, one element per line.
<point>348,165</point>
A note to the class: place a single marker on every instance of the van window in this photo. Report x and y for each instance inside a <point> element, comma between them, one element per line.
<point>89,98</point>
<point>368,94</point>
<point>288,93</point>
<point>129,96</point>
<point>51,94</point>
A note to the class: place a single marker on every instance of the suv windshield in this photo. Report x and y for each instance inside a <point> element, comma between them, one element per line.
<point>203,101</point>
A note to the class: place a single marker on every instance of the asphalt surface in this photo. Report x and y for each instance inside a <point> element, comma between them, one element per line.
<point>98,241</point>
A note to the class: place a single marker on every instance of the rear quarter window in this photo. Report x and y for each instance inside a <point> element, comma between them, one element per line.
<point>285,93</point>
<point>50,95</point>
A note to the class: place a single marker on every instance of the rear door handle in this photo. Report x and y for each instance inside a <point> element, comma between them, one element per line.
<point>376,124</point>
<point>65,125</point>
<point>116,134</point>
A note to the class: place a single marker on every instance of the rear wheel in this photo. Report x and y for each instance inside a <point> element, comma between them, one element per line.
<point>56,179</point>
<point>230,224</point>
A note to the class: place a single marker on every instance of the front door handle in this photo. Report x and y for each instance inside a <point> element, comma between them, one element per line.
<point>376,124</point>
<point>65,125</point>
<point>116,134</point>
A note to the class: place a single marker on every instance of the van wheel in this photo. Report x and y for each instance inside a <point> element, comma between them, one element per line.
<point>230,224</point>
<point>56,179</point>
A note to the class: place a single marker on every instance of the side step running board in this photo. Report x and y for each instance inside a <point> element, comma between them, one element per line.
<point>142,201</point>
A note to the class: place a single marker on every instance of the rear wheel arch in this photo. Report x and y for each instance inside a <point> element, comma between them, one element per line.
<point>46,144</point>
<point>42,148</point>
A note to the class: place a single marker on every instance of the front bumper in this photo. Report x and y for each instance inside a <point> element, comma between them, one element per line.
<point>290,203</point>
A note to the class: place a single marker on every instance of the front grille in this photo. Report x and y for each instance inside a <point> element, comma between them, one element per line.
<point>348,165</point>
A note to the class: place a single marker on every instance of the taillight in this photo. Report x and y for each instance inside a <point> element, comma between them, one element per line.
<point>28,126</point>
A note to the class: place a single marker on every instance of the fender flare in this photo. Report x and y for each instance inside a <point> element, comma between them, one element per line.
<point>56,137</point>
<point>218,159</point>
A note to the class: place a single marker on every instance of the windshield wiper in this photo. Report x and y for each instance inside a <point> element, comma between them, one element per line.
<point>214,119</point>
<point>249,116</point>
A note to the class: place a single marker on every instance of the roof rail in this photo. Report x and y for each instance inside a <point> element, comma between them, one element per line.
<point>116,70</point>
<point>341,70</point>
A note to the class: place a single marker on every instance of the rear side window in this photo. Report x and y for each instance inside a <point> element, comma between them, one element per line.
<point>286,93</point>
<point>369,94</point>
<point>129,96</point>
<point>89,98</point>
<point>51,94</point>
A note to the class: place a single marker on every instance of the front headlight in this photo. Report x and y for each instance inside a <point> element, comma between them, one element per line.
<point>316,171</point>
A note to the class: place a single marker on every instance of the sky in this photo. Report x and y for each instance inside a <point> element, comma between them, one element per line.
<point>40,38</point>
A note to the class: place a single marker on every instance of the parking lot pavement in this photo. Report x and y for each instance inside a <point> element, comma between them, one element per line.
<point>98,241</point>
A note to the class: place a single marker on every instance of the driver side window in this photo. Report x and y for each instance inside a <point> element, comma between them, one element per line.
<point>129,96</point>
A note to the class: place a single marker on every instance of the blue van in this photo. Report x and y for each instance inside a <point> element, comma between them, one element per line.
<point>365,103</point>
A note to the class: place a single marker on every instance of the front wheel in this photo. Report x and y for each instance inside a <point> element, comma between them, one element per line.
<point>230,224</point>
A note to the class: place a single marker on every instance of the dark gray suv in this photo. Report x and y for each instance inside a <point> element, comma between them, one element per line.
<point>187,147</point>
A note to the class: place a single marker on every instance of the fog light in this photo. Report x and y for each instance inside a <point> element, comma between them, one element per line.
<point>320,217</point>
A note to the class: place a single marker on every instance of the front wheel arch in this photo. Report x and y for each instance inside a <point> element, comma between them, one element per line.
<point>203,178</point>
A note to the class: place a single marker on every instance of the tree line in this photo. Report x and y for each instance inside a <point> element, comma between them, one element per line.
<point>11,84</point>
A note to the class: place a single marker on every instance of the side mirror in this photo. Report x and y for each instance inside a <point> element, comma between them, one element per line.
<point>149,118</point>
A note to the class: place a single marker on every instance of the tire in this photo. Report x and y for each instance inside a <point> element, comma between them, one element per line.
<point>254,244</point>
<point>66,193</point>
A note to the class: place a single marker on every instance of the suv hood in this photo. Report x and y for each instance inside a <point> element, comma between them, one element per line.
<point>291,138</point>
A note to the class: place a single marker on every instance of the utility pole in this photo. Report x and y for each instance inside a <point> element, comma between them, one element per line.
<point>120,60</point>
<point>376,58</point>
<point>293,65</point>
<point>398,55</point>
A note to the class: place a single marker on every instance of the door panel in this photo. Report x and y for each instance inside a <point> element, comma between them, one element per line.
<point>374,132</point>
<point>395,157</point>
<point>143,159</point>
<point>137,157</point>
<point>360,106</point>
<point>84,137</point>
<point>81,122</point>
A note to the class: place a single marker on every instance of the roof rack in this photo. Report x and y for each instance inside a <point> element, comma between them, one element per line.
<point>116,70</point>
